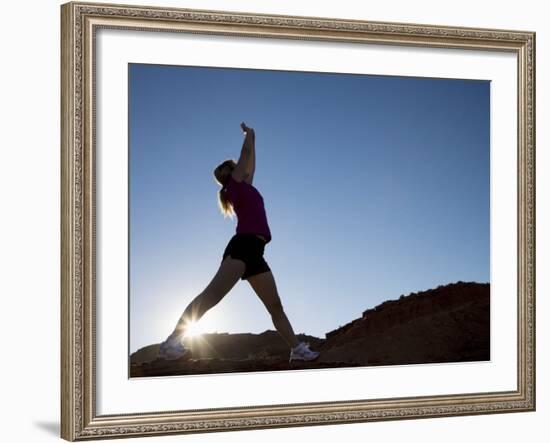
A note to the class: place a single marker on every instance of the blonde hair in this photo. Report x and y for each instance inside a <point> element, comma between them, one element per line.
<point>222,173</point>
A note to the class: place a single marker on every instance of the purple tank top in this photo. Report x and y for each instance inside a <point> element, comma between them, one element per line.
<point>248,205</point>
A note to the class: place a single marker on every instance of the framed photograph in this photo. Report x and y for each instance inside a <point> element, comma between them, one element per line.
<point>275,221</point>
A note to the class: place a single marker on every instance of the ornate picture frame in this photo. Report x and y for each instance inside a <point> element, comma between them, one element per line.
<point>80,23</point>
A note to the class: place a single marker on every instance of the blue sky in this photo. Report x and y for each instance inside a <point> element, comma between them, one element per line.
<point>374,186</point>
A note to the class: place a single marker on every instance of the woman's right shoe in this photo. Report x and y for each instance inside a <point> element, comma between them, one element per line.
<point>302,352</point>
<point>172,348</point>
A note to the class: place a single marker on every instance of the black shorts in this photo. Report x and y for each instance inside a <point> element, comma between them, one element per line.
<point>248,248</point>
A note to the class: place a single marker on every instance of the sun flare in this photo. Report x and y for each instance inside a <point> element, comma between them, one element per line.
<point>193,330</point>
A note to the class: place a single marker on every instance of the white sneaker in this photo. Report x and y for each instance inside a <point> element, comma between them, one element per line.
<point>172,348</point>
<point>302,352</point>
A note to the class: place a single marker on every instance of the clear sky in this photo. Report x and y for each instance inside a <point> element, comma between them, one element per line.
<point>374,187</point>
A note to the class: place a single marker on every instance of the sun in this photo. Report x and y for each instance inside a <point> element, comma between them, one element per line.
<point>193,330</point>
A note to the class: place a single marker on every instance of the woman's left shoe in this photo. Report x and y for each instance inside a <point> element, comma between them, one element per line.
<point>302,352</point>
<point>172,349</point>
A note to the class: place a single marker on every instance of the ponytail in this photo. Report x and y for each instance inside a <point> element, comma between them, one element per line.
<point>222,173</point>
<point>224,203</point>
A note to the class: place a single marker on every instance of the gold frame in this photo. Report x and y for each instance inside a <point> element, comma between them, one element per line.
<point>79,21</point>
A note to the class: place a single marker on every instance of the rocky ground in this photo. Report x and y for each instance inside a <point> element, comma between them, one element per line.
<point>450,323</point>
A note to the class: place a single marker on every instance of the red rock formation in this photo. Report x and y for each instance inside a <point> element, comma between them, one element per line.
<point>448,323</point>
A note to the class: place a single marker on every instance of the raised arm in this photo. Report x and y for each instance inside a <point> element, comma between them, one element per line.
<point>246,165</point>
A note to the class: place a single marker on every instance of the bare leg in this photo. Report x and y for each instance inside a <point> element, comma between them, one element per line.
<point>229,273</point>
<point>265,287</point>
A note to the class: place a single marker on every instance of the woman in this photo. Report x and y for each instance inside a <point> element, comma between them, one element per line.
<point>243,257</point>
